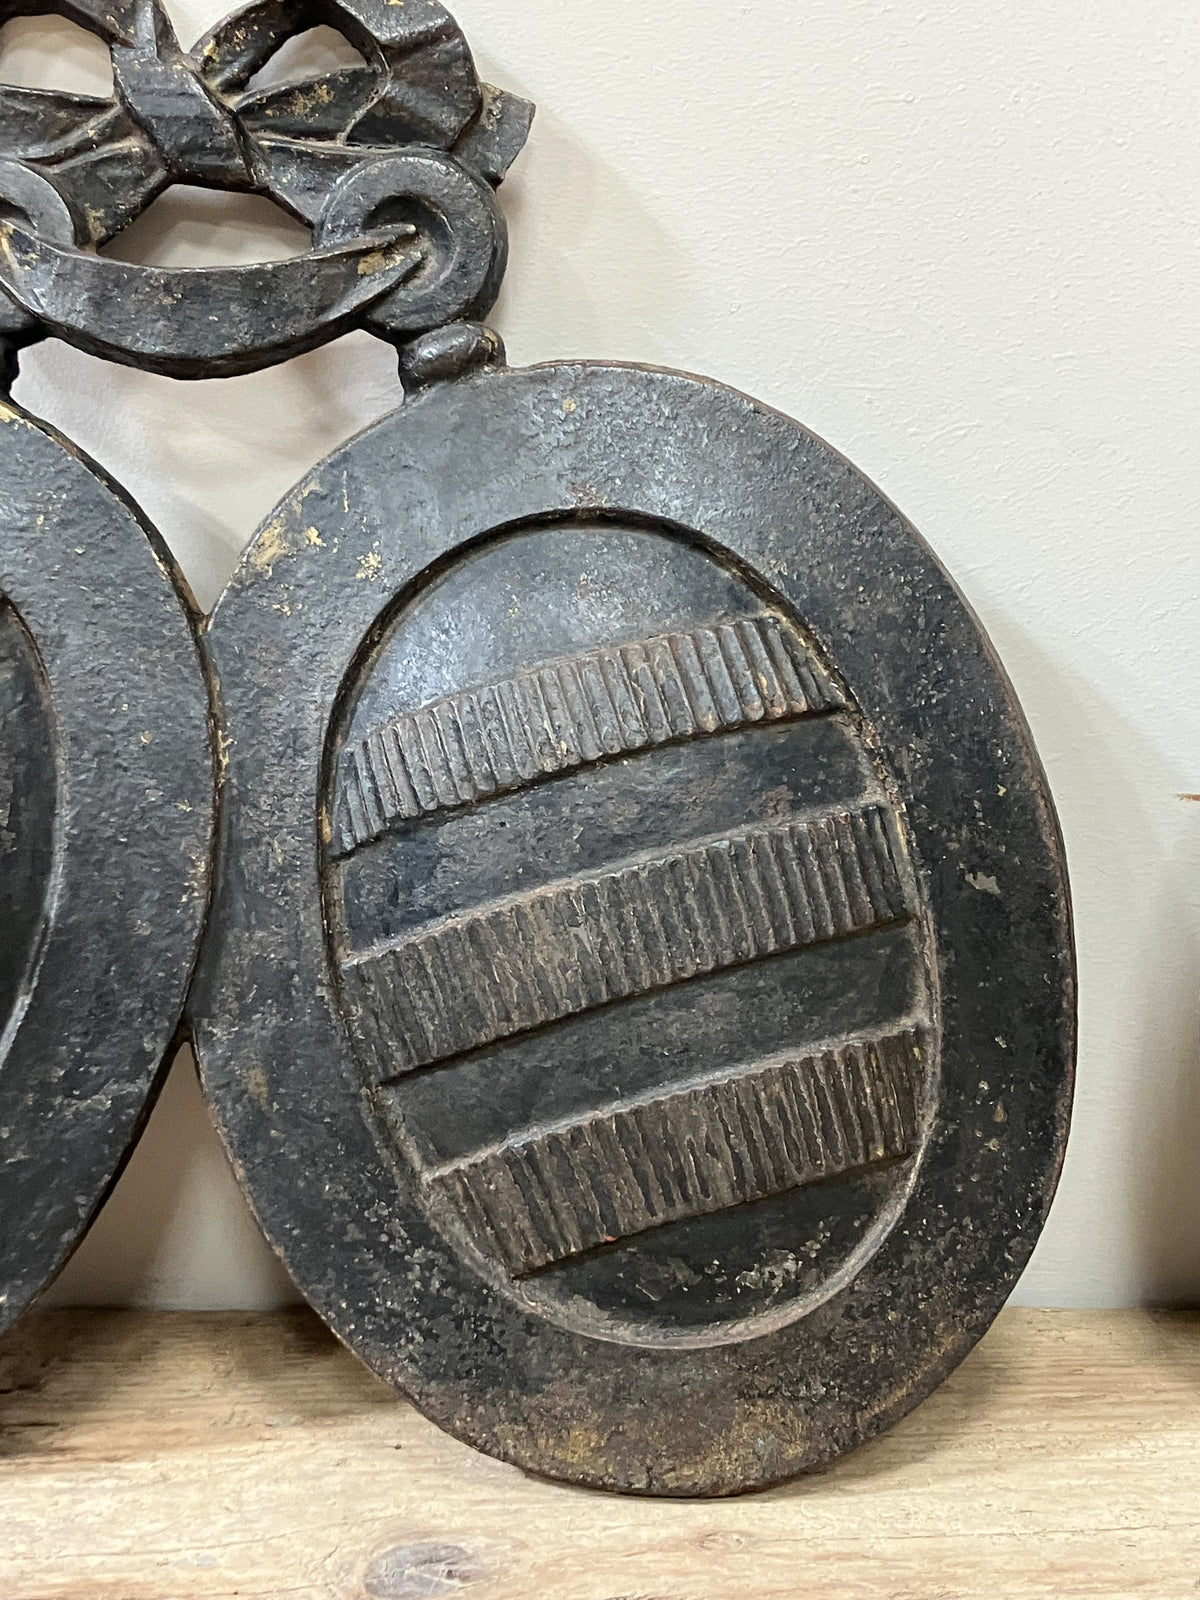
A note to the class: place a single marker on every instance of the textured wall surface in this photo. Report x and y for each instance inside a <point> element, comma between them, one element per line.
<point>959,240</point>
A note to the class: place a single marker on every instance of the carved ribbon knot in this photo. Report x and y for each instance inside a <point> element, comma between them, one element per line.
<point>392,163</point>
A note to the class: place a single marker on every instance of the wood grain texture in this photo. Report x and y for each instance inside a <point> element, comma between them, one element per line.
<point>175,1457</point>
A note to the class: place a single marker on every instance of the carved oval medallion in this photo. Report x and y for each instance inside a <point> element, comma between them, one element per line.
<point>628,933</point>
<point>640,992</point>
<point>106,809</point>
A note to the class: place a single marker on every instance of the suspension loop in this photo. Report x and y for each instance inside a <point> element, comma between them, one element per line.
<point>29,199</point>
<point>459,229</point>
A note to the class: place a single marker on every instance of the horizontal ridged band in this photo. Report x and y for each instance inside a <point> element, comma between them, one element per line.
<point>573,713</point>
<point>585,942</point>
<point>702,1148</point>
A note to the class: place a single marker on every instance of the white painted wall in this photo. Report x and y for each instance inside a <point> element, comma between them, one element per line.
<point>961,240</point>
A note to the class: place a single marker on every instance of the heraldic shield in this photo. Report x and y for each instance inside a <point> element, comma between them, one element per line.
<point>639,998</point>
<point>107,782</point>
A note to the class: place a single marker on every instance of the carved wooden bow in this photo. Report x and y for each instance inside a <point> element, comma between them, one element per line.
<point>391,163</point>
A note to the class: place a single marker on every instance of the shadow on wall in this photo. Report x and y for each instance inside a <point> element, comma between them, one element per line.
<point>1125,1228</point>
<point>176,1232</point>
<point>1169,1213</point>
<point>53,53</point>
<point>571,274</point>
<point>199,458</point>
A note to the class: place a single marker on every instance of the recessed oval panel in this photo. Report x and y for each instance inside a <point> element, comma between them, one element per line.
<point>629,932</point>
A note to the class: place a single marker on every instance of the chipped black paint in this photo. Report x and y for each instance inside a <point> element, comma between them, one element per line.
<point>639,994</point>
<point>106,775</point>
<point>106,811</point>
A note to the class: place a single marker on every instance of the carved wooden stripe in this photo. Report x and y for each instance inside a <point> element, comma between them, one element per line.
<point>706,1147</point>
<point>572,713</point>
<point>581,943</point>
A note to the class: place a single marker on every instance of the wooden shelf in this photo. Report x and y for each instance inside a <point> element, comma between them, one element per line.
<point>180,1457</point>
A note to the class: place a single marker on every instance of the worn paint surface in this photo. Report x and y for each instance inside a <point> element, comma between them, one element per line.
<point>106,774</point>
<point>611,797</point>
<point>639,996</point>
<point>106,812</point>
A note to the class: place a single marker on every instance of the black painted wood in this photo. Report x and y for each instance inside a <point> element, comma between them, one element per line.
<point>639,996</point>
<point>106,816</point>
<point>106,774</point>
<point>392,164</point>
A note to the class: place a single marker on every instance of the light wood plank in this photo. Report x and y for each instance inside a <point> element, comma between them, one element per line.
<point>160,1457</point>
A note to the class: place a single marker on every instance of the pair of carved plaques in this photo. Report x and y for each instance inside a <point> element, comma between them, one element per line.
<point>636,991</point>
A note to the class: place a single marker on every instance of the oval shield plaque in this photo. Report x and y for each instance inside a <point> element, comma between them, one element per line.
<point>640,990</point>
<point>106,808</point>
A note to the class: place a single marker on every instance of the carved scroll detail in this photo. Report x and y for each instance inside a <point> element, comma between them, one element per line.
<point>569,714</point>
<point>703,1148</point>
<point>575,945</point>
